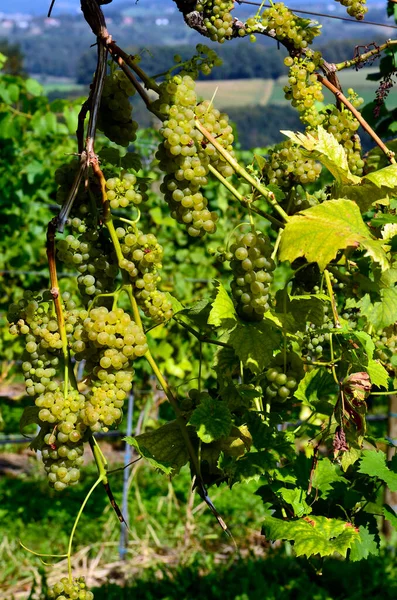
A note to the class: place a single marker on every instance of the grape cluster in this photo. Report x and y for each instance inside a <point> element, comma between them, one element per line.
<point>343,125</point>
<point>122,192</point>
<point>252,268</point>
<point>287,166</point>
<point>281,385</point>
<point>288,26</point>
<point>70,590</point>
<point>59,412</point>
<point>185,156</point>
<point>386,347</point>
<point>316,339</point>
<point>33,318</point>
<point>114,117</point>
<point>217,18</point>
<point>90,252</point>
<point>303,88</point>
<point>143,260</point>
<point>355,8</point>
<point>109,341</point>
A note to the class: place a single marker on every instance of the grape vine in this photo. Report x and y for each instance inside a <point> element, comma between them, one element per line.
<point>307,334</point>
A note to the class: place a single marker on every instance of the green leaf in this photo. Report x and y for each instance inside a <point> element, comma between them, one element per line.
<point>222,307</point>
<point>254,344</point>
<point>176,305</point>
<point>164,448</point>
<point>319,232</point>
<point>325,475</point>
<point>131,160</point>
<point>349,457</point>
<point>315,388</point>
<point>212,419</point>
<point>253,465</point>
<point>373,463</point>
<point>326,148</point>
<point>110,155</point>
<point>364,545</point>
<point>386,177</point>
<point>313,535</point>
<point>380,314</point>
<point>377,374</point>
<point>390,515</point>
<point>364,195</point>
<point>30,415</point>
<point>33,87</point>
<point>297,499</point>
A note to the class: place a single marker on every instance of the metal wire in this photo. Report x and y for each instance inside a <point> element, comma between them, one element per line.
<point>326,16</point>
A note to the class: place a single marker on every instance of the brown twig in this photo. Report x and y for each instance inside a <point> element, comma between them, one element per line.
<point>364,57</point>
<point>339,96</point>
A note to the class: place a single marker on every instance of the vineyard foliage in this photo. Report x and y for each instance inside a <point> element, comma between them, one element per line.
<point>258,288</point>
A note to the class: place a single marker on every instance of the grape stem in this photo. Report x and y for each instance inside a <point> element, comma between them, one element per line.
<point>332,298</point>
<point>242,172</point>
<point>55,293</point>
<point>149,82</point>
<point>242,199</point>
<point>346,64</point>
<point>340,97</point>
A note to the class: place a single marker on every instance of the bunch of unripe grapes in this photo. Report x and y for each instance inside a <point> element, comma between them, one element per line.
<point>33,318</point>
<point>303,88</point>
<point>386,347</point>
<point>88,250</point>
<point>64,177</point>
<point>114,117</point>
<point>142,260</point>
<point>70,590</point>
<point>62,458</point>
<point>109,341</point>
<point>252,268</point>
<point>217,18</point>
<point>122,192</point>
<point>281,386</point>
<point>288,26</point>
<point>355,8</point>
<point>316,340</point>
<point>287,166</point>
<point>343,125</point>
<point>185,155</point>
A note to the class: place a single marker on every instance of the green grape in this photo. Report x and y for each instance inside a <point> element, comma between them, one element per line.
<point>252,268</point>
<point>286,166</point>
<point>304,89</point>
<point>217,18</point>
<point>67,589</point>
<point>282,385</point>
<point>114,117</point>
<point>123,192</point>
<point>184,155</point>
<point>355,8</point>
<point>288,27</point>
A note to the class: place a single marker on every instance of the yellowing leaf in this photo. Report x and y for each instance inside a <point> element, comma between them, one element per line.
<point>318,233</point>
<point>326,148</point>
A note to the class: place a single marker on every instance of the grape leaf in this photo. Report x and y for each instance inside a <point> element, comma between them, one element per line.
<point>373,463</point>
<point>317,233</point>
<point>164,448</point>
<point>364,195</point>
<point>30,415</point>
<point>349,457</point>
<point>131,160</point>
<point>325,475</point>
<point>313,535</point>
<point>390,515</point>
<point>253,465</point>
<point>212,419</point>
<point>254,344</point>
<point>297,499</point>
<point>110,155</point>
<point>222,307</point>
<point>377,374</point>
<point>364,545</point>
<point>328,151</point>
<point>315,388</point>
<point>176,305</point>
<point>380,314</point>
<point>386,177</point>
